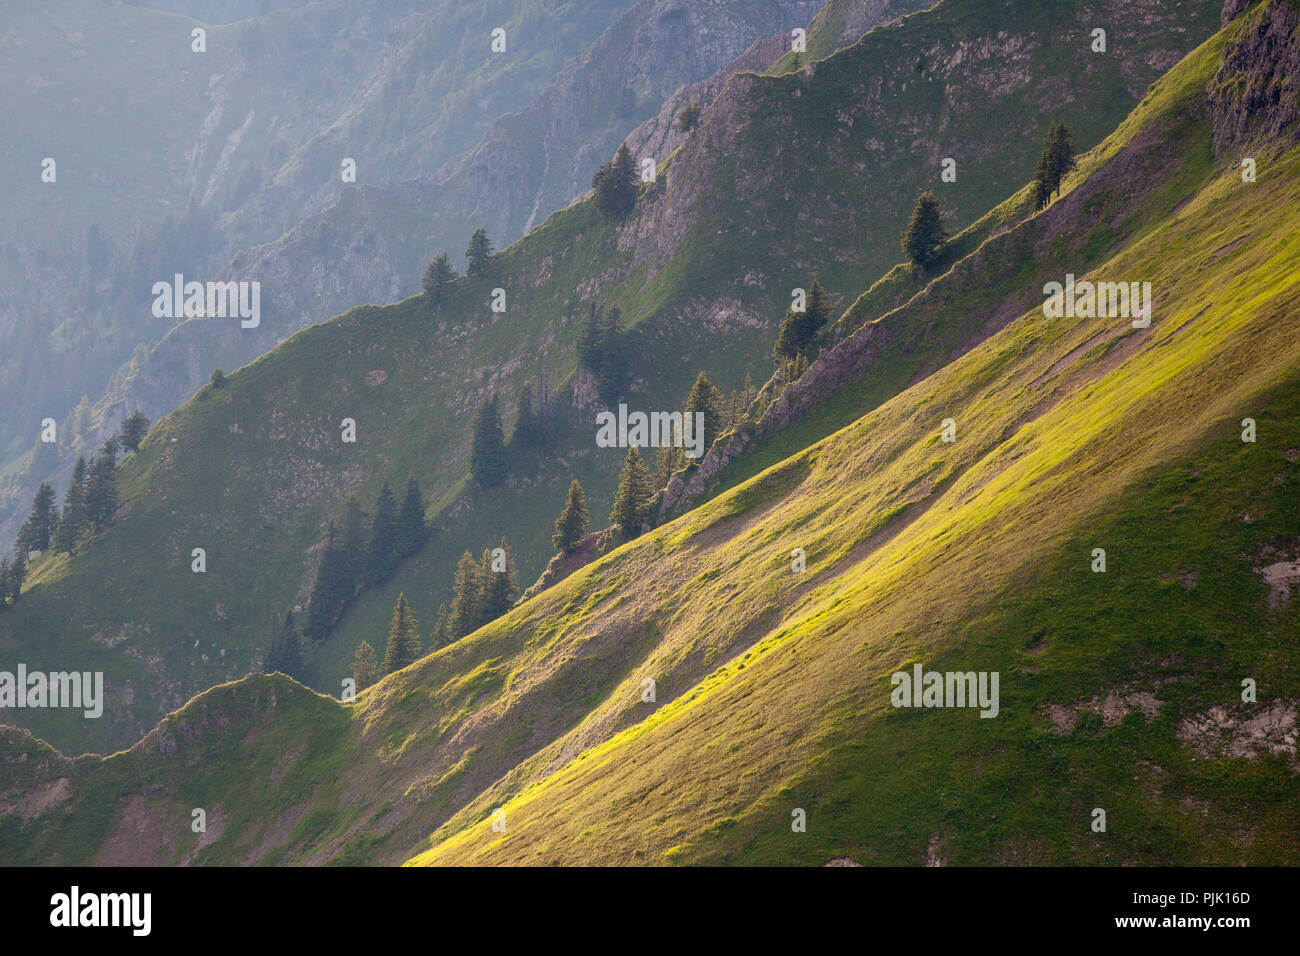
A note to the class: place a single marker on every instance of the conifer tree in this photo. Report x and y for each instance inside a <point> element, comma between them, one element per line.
<point>101,492</point>
<point>478,252</point>
<point>688,117</point>
<point>1055,163</point>
<point>467,606</point>
<point>440,636</point>
<point>364,671</point>
<point>17,574</point>
<point>487,461</point>
<point>631,508</point>
<point>615,183</point>
<point>411,529</point>
<point>787,346</point>
<point>4,581</point>
<point>669,460</point>
<point>72,522</point>
<point>403,646</point>
<point>603,350</point>
<point>382,559</point>
<point>815,315</point>
<point>111,449</point>
<point>707,399</point>
<point>571,525</point>
<point>438,275</point>
<point>38,530</point>
<point>925,238</point>
<point>501,589</point>
<point>134,430</point>
<point>354,550</point>
<point>331,592</point>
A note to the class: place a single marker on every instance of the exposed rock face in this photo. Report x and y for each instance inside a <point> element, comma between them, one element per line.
<point>1255,98</point>
<point>1232,9</point>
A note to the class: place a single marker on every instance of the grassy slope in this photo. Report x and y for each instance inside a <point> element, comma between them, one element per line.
<point>1074,434</point>
<point>258,498</point>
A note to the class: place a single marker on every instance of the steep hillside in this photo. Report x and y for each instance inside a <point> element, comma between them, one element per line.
<point>1119,690</point>
<point>168,160</point>
<point>372,245</point>
<point>253,472</point>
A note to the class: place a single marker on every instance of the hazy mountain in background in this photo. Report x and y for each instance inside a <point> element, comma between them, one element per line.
<point>168,160</point>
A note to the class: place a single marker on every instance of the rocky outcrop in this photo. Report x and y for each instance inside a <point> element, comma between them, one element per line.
<point>1255,98</point>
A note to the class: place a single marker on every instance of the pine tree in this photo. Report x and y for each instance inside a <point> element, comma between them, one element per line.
<point>487,461</point>
<point>411,529</point>
<point>688,117</point>
<point>501,589</point>
<point>101,492</point>
<point>331,592</point>
<point>603,350</point>
<point>403,646</point>
<point>4,581</point>
<point>382,558</point>
<point>38,530</point>
<point>815,315</point>
<point>707,399</point>
<point>631,508</point>
<point>364,671</point>
<point>1055,163</point>
<point>925,238</point>
<point>134,430</point>
<point>615,183</point>
<point>467,606</point>
<point>478,252</point>
<point>1063,159</point>
<point>438,275</point>
<point>1042,181</point>
<point>571,525</point>
<point>669,460</point>
<point>285,652</point>
<point>441,634</point>
<point>354,551</point>
<point>17,574</point>
<point>111,449</point>
<point>72,522</point>
<point>787,346</point>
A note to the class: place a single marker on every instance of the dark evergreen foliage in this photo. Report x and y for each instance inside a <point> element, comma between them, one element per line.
<point>924,241</point>
<point>615,183</point>
<point>571,525</point>
<point>488,463</point>
<point>478,252</point>
<point>134,430</point>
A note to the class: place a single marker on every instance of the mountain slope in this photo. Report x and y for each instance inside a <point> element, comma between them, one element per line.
<point>1119,690</point>
<point>372,245</point>
<point>177,158</point>
<point>703,270</point>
